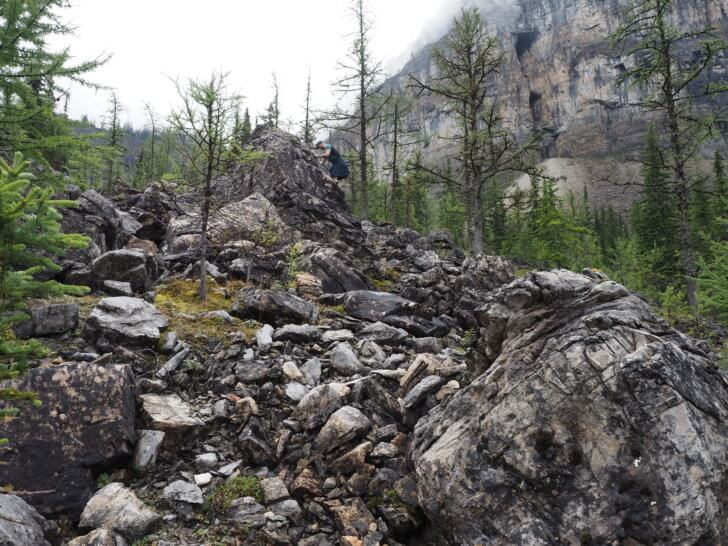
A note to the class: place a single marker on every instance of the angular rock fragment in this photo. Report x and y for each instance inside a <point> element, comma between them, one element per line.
<point>169,412</point>
<point>345,425</point>
<point>116,508</point>
<point>127,321</point>
<point>20,523</point>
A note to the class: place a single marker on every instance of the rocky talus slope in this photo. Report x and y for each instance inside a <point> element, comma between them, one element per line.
<point>350,384</point>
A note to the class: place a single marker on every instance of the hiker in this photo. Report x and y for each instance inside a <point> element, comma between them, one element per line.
<point>339,169</point>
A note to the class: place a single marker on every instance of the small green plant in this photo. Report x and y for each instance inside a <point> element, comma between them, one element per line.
<point>103,480</point>
<point>221,499</point>
<point>143,542</point>
<point>672,303</point>
<point>468,339</point>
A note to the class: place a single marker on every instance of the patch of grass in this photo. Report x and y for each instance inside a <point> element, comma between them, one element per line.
<point>103,480</point>
<point>519,273</point>
<point>179,302</point>
<point>222,497</point>
<point>381,285</point>
<point>339,309</point>
<point>388,498</point>
<point>384,279</point>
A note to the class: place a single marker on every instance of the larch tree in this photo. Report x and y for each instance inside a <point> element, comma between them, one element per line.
<point>205,129</point>
<point>32,79</point>
<point>672,63</point>
<point>360,81</point>
<point>464,66</point>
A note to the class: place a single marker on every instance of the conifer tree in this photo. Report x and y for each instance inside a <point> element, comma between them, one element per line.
<point>30,235</point>
<point>671,63</point>
<point>464,67</point>
<point>29,73</point>
<point>654,217</point>
<point>246,130</point>
<point>721,195</point>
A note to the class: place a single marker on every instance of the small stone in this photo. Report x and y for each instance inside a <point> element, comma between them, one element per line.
<point>203,479</point>
<point>312,371</point>
<point>206,460</point>
<point>287,508</point>
<point>147,448</point>
<point>344,360</point>
<point>182,491</point>
<point>169,412</point>
<point>295,391</point>
<point>336,336</point>
<point>291,371</point>
<point>264,338</point>
<point>420,391</point>
<point>274,490</point>
<point>246,511</point>
<point>352,460</point>
<point>99,537</point>
<point>228,470</point>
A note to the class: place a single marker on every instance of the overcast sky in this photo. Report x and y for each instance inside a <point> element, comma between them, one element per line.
<point>153,40</point>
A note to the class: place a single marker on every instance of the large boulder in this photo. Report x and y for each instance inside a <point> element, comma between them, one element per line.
<point>86,421</point>
<point>49,320</point>
<point>592,422</point>
<point>123,266</point>
<point>20,523</point>
<point>97,218</point>
<point>291,178</point>
<point>128,321</point>
<point>391,309</point>
<point>273,306</point>
<point>336,272</point>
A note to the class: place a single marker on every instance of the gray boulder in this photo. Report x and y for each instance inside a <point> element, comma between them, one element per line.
<point>182,491</point>
<point>48,320</point>
<point>277,308</point>
<point>591,421</point>
<point>87,421</point>
<point>20,523</point>
<point>127,321</point>
<point>116,508</point>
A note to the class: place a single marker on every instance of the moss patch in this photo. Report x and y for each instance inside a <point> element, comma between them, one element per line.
<point>179,302</point>
<point>221,499</point>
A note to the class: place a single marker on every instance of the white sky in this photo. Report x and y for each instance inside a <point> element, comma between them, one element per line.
<point>153,40</point>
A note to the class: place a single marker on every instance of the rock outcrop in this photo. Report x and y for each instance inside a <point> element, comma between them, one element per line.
<point>86,422</point>
<point>590,421</point>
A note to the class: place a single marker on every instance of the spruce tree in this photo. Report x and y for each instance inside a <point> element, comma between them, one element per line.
<point>30,236</point>
<point>655,218</point>
<point>721,195</point>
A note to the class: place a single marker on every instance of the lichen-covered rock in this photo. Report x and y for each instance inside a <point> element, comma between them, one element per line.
<point>87,420</point>
<point>20,523</point>
<point>591,421</point>
<point>123,266</point>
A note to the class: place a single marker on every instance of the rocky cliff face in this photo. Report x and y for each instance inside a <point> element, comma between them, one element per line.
<point>559,75</point>
<point>350,383</point>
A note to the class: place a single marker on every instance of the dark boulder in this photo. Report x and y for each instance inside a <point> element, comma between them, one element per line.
<point>123,266</point>
<point>591,422</point>
<point>274,307</point>
<point>290,177</point>
<point>86,422</point>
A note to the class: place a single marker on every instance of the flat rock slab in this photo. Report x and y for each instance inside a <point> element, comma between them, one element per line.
<point>87,420</point>
<point>169,412</point>
<point>116,508</point>
<point>20,523</point>
<point>127,321</point>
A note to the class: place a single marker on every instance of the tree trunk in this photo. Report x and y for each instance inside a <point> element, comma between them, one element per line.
<point>395,169</point>
<point>476,227</point>
<point>363,139</point>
